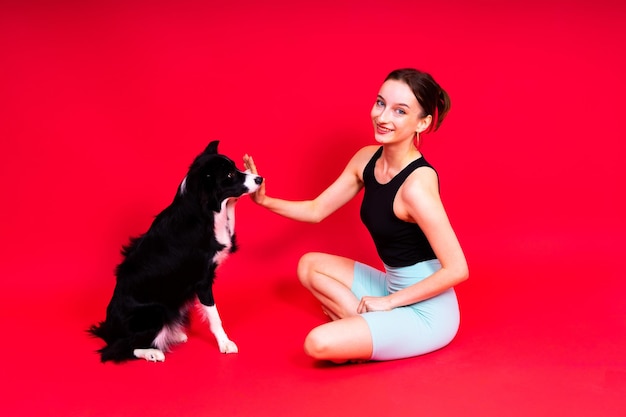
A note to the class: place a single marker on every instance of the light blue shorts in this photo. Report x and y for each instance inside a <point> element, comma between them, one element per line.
<point>412,330</point>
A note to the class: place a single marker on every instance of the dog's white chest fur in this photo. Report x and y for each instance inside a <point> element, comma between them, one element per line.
<point>223,228</point>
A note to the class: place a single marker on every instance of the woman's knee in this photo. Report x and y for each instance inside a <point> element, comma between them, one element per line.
<point>316,344</point>
<point>306,267</point>
<point>340,341</point>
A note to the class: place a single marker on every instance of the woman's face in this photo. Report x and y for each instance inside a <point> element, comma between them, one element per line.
<point>396,114</point>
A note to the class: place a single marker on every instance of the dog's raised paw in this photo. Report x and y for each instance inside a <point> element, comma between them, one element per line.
<point>151,355</point>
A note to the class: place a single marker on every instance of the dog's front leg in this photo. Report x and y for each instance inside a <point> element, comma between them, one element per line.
<point>215,324</point>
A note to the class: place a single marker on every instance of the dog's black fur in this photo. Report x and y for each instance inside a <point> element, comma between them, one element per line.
<point>164,270</point>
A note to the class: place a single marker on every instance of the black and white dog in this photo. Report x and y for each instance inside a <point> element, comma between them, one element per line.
<point>166,269</point>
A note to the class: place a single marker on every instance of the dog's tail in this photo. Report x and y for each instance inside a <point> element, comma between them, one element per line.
<point>98,330</point>
<point>117,349</point>
<point>139,332</point>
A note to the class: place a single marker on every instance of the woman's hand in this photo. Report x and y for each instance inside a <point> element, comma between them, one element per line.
<point>259,195</point>
<point>369,303</point>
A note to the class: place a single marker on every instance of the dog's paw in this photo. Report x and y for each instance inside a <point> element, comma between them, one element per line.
<point>228,346</point>
<point>181,338</point>
<point>151,355</point>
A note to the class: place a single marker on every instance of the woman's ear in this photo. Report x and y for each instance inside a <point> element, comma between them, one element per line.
<point>424,123</point>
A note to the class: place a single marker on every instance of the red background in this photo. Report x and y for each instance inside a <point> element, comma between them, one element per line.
<point>103,107</point>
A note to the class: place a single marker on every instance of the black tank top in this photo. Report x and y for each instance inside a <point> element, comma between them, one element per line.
<point>398,243</point>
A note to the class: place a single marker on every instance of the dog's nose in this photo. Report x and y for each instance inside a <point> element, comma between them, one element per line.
<point>258,180</point>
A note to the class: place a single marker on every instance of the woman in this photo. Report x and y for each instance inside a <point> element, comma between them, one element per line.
<point>410,308</point>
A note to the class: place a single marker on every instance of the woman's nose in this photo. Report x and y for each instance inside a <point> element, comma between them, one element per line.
<point>382,115</point>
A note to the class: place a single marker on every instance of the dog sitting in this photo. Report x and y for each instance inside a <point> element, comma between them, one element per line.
<point>167,268</point>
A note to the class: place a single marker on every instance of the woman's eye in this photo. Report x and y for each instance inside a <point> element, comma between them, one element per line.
<point>380,103</point>
<point>400,111</point>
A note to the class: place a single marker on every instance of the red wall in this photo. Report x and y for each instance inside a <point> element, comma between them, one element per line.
<point>102,108</point>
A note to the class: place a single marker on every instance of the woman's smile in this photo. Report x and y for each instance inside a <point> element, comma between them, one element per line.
<point>382,129</point>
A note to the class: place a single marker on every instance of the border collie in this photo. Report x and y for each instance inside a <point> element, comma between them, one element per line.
<point>167,268</point>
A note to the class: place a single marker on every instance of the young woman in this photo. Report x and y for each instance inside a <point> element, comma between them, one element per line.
<point>410,308</point>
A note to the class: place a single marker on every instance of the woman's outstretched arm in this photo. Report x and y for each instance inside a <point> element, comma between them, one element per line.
<point>342,190</point>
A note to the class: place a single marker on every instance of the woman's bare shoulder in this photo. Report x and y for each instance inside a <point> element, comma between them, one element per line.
<point>361,158</point>
<point>365,153</point>
<point>421,184</point>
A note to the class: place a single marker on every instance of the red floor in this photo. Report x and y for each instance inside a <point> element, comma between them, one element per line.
<point>526,348</point>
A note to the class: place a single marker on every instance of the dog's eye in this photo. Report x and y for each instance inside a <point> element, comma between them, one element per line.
<point>231,175</point>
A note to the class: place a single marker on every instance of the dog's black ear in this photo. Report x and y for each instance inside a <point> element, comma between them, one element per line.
<point>210,201</point>
<point>212,147</point>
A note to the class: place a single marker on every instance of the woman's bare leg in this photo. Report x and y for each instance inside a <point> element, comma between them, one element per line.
<point>340,341</point>
<point>329,278</point>
<point>347,337</point>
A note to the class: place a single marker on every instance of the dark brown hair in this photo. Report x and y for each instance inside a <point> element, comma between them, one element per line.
<point>431,97</point>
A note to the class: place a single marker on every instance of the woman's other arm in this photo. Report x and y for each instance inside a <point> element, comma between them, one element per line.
<point>420,202</point>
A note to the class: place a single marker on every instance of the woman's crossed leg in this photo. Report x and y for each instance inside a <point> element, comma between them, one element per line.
<point>347,337</point>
